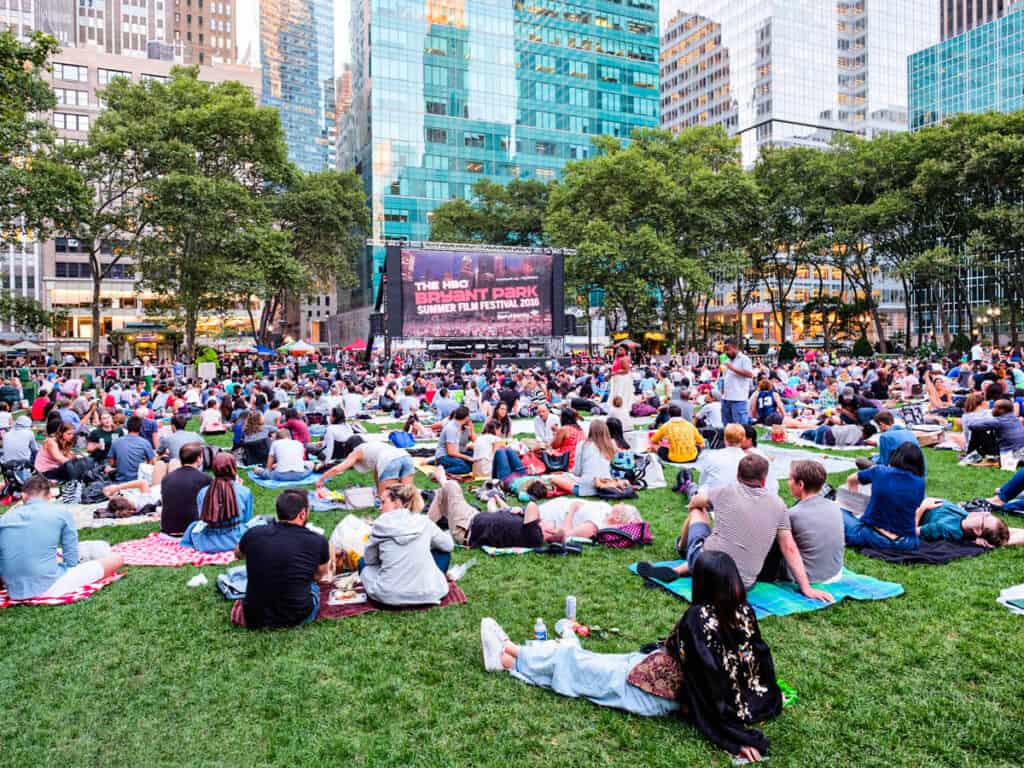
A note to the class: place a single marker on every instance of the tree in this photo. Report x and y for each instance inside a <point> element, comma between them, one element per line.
<point>35,190</point>
<point>26,314</point>
<point>498,214</point>
<point>325,218</point>
<point>210,214</point>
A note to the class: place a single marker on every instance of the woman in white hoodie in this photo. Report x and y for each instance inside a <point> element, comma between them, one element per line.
<point>407,554</point>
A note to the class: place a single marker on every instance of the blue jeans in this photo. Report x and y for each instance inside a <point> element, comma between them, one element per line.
<point>506,462</point>
<point>865,415</point>
<point>818,435</point>
<point>283,477</point>
<point>455,466</point>
<point>1013,488</point>
<point>735,412</point>
<point>314,588</point>
<point>695,536</point>
<point>860,535</point>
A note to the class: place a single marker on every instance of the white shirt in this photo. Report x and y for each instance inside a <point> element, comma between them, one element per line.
<point>737,387</point>
<point>718,468</point>
<point>977,353</point>
<point>545,431</point>
<point>555,511</point>
<point>288,455</point>
<point>712,413</point>
<point>352,403</point>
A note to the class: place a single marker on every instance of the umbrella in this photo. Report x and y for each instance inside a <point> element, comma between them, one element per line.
<point>359,345</point>
<point>261,350</point>
<point>301,348</point>
<point>244,348</point>
<point>27,346</point>
<point>628,343</point>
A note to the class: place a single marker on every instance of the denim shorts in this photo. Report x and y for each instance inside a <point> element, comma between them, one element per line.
<point>397,468</point>
<point>695,537</point>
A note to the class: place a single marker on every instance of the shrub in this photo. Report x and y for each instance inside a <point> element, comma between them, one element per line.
<point>787,352</point>
<point>863,348</point>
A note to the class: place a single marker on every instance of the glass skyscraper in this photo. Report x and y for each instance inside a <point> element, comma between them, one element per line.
<point>792,72</point>
<point>452,91</point>
<point>297,47</point>
<point>979,71</point>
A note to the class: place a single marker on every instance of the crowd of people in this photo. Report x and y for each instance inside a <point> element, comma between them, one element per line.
<point>554,444</point>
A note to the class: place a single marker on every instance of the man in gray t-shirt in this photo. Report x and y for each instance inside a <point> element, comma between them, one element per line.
<point>748,520</point>
<point>816,522</point>
<point>453,444</point>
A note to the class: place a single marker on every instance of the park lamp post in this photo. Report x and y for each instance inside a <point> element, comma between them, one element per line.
<point>595,300</point>
<point>993,314</point>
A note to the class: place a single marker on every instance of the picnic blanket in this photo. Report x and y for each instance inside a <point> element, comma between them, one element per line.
<point>793,436</point>
<point>428,469</point>
<point>265,483</point>
<point>70,597</point>
<point>927,553</point>
<point>455,596</point>
<point>161,549</point>
<point>358,497</point>
<point>505,551</point>
<point>784,598</point>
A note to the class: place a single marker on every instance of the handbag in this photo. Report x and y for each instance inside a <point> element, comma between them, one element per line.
<point>625,536</point>
<point>611,493</point>
<point>555,462</point>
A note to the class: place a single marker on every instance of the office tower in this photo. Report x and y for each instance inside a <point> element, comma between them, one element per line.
<point>203,32</point>
<point>959,16</point>
<point>56,18</point>
<point>791,72</point>
<point>297,42</point>
<point>463,90</point>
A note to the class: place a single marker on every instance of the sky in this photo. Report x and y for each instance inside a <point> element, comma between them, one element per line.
<point>249,33</point>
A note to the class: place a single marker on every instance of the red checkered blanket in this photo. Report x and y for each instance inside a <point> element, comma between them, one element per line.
<point>160,549</point>
<point>71,597</point>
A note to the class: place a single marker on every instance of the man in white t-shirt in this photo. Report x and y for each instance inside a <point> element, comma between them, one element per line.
<point>977,353</point>
<point>286,461</point>
<point>736,385</point>
<point>545,424</point>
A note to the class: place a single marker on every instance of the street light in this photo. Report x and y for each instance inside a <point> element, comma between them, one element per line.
<point>595,300</point>
<point>994,313</point>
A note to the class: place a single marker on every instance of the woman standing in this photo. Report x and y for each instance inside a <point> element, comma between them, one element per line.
<point>622,378</point>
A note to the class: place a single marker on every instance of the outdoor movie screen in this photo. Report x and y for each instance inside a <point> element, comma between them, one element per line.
<point>470,294</point>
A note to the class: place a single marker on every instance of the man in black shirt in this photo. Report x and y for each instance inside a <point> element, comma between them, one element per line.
<point>505,528</point>
<point>178,491</point>
<point>284,563</point>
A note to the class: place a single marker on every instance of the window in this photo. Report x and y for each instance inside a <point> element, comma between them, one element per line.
<point>547,148</point>
<point>579,97</point>
<point>437,108</point>
<point>106,75</point>
<point>545,173</point>
<point>478,140</point>
<point>544,63</point>
<point>546,120</point>
<point>437,135</point>
<point>435,76</point>
<point>70,122</point>
<point>396,216</point>
<point>546,92</point>
<point>438,190</point>
<point>645,80</point>
<point>146,78</point>
<point>71,98</point>
<point>611,102</point>
<point>474,167</point>
<point>579,124</point>
<point>436,162</point>
<point>579,69</point>
<point>610,74</point>
<point>70,72</point>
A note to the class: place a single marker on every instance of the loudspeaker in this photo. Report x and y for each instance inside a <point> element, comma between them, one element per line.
<point>376,323</point>
<point>570,325</point>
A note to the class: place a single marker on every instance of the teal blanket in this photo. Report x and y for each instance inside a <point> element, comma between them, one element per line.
<point>784,598</point>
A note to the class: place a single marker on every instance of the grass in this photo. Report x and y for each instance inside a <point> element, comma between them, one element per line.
<point>151,672</point>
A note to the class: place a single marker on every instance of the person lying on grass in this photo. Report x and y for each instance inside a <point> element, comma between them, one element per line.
<point>749,519</point>
<point>941,520</point>
<point>31,534</point>
<point>715,670</point>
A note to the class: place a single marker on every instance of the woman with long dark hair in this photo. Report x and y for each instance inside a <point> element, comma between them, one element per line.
<point>501,417</point>
<point>897,490</point>
<point>56,450</point>
<point>225,507</point>
<point>713,668</point>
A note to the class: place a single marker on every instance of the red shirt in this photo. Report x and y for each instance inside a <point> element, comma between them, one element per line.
<point>298,429</point>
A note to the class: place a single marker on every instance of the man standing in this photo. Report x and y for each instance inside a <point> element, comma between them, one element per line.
<point>284,563</point>
<point>736,390</point>
<point>29,538</point>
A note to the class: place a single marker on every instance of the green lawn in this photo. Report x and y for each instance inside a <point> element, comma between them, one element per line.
<point>149,672</point>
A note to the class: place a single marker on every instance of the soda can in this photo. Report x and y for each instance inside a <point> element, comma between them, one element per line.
<point>570,607</point>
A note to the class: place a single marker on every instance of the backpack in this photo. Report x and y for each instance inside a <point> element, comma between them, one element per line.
<point>402,439</point>
<point>624,536</point>
<point>713,438</point>
<point>93,492</point>
<point>630,466</point>
<point>984,441</point>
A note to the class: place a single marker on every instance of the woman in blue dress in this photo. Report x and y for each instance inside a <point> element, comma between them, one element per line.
<point>225,509</point>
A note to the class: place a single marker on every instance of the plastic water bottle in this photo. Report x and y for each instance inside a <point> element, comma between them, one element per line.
<point>570,607</point>
<point>540,631</point>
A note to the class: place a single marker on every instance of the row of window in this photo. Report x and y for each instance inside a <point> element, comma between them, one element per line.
<point>70,122</point>
<point>84,270</point>
<point>558,37</point>
<point>501,143</point>
<point>579,15</point>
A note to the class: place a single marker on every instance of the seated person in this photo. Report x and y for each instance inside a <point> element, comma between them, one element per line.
<point>765,404</point>
<point>284,561</point>
<point>179,490</point>
<point>389,465</point>
<point>486,445</point>
<point>20,443</point>
<point>592,463</point>
<point>710,416</point>
<point>337,435</point>
<point>684,440</point>
<point>407,555</point>
<point>719,695</point>
<point>890,520</point>
<point>454,443</point>
<point>170,445</point>
<point>225,508</point>
<point>748,521</point>
<point>415,427</point>
<point>568,436</point>
<point>295,425</point>
<point>940,395</point>
<point>545,424</point>
<point>615,410</point>
<point>891,436</point>
<point>211,420</point>
<point>286,460</point>
<point>31,534</point>
<point>940,520</point>
<point>57,450</point>
<point>128,453</point>
<point>257,439</point>
<point>101,438</point>
<point>817,526</point>
<point>718,467</point>
<point>1009,432</point>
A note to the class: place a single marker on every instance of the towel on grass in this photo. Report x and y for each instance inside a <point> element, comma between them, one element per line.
<point>262,482</point>
<point>357,497</point>
<point>928,553</point>
<point>160,549</point>
<point>70,597</point>
<point>455,596</point>
<point>504,551</point>
<point>783,598</point>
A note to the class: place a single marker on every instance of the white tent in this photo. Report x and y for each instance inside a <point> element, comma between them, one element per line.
<point>27,346</point>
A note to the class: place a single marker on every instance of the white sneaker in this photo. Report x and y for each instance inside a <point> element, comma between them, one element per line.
<point>492,638</point>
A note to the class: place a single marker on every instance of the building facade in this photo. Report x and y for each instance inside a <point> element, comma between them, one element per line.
<point>792,72</point>
<point>959,16</point>
<point>203,35</point>
<point>447,92</point>
<point>297,47</point>
<point>979,71</point>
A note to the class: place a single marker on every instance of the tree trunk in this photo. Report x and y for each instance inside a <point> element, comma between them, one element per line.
<point>94,308</point>
<point>191,320</point>
<point>1014,336</point>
